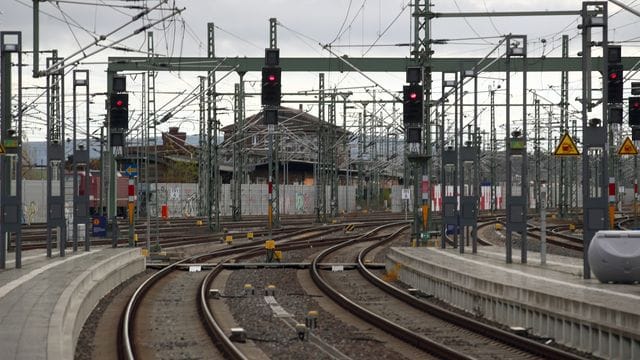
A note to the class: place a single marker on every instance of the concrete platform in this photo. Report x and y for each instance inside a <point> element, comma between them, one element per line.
<point>44,305</point>
<point>551,301</point>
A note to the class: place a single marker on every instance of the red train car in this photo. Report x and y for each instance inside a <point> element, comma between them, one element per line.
<point>122,194</point>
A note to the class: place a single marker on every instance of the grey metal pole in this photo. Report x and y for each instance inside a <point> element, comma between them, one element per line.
<point>543,224</point>
<point>74,165</point>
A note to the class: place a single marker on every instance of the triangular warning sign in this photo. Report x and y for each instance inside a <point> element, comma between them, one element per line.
<point>628,148</point>
<point>567,147</point>
<point>2,150</point>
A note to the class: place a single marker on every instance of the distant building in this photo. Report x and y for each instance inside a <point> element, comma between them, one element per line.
<point>177,161</point>
<point>298,151</point>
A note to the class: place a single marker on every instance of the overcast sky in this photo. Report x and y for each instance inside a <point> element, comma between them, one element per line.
<point>242,29</point>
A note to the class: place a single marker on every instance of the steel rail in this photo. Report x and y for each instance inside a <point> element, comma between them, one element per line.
<point>394,329</point>
<point>465,322</point>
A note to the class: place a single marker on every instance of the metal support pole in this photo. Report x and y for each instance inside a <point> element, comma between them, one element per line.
<point>55,158</point>
<point>566,175</point>
<point>321,196</point>
<point>203,171</point>
<point>494,149</point>
<point>516,154</point>
<point>595,139</point>
<point>543,224</point>
<point>11,138</point>
<point>213,208</point>
<point>81,158</point>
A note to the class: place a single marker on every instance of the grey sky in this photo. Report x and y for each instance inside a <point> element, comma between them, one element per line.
<point>243,31</point>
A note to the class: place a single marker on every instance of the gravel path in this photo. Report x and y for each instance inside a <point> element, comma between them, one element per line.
<point>276,338</point>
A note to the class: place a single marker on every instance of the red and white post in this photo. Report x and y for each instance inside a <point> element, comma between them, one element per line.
<point>612,201</point>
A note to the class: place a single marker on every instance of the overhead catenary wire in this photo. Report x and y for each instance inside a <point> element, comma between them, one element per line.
<point>60,64</point>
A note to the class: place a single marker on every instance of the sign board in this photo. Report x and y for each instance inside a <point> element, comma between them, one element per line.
<point>406,194</point>
<point>517,144</point>
<point>11,143</point>
<point>628,148</point>
<point>566,147</point>
<point>131,170</point>
<point>2,150</point>
<point>99,226</point>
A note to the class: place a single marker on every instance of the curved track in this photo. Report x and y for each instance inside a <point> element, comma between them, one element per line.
<point>474,339</point>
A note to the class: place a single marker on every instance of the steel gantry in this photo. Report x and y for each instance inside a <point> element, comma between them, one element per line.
<point>421,54</point>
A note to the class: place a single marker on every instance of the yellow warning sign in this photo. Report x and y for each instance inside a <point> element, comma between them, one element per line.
<point>2,150</point>
<point>567,147</point>
<point>628,148</point>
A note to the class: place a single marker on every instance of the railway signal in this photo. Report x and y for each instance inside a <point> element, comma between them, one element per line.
<point>614,75</point>
<point>271,81</point>
<point>413,96</point>
<point>634,111</point>
<point>119,111</point>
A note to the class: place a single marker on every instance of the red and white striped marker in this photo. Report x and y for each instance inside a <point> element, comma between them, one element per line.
<point>612,190</point>
<point>132,190</point>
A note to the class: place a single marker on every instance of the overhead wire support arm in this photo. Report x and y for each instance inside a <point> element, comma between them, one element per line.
<point>508,13</point>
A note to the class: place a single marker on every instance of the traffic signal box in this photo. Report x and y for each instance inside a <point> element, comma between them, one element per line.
<point>634,111</point>
<point>271,85</point>
<point>119,111</point>
<point>614,75</point>
<point>413,96</point>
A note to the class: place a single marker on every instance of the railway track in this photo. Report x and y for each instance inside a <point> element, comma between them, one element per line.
<point>448,335</point>
<point>177,232</point>
<point>132,349</point>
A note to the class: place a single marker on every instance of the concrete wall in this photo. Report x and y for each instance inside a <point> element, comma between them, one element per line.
<point>182,199</point>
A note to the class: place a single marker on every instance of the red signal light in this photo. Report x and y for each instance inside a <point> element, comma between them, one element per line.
<point>413,96</point>
<point>613,76</point>
<point>271,78</point>
<point>119,103</point>
<point>636,105</point>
